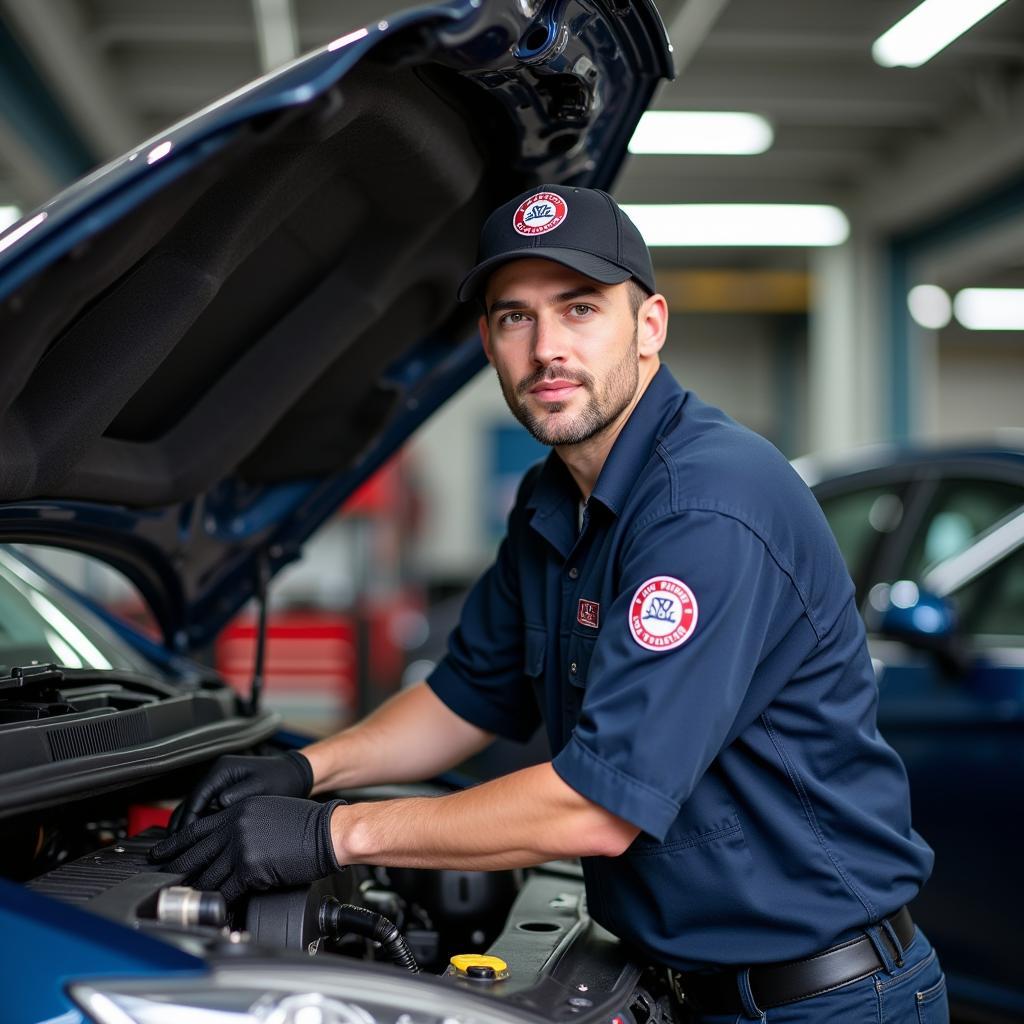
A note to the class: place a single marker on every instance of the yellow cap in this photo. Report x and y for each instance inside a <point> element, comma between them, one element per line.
<point>463,961</point>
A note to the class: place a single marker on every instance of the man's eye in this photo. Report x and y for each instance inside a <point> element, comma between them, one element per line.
<point>511,318</point>
<point>582,309</point>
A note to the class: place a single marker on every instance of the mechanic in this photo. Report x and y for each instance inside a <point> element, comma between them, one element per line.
<point>670,601</point>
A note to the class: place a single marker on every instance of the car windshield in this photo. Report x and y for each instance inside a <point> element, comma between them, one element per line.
<point>39,624</point>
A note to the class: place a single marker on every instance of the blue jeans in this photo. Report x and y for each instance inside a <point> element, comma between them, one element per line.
<point>912,994</point>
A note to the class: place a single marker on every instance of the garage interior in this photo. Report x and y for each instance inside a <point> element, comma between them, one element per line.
<point>887,325</point>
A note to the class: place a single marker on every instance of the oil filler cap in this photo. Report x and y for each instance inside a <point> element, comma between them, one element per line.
<point>479,967</point>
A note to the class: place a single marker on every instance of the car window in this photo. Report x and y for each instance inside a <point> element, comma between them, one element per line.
<point>993,604</point>
<point>959,511</point>
<point>860,520</point>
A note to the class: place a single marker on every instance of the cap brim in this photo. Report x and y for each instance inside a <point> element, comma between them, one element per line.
<point>586,263</point>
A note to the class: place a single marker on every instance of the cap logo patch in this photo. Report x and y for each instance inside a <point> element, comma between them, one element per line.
<point>662,614</point>
<point>588,613</point>
<point>540,213</point>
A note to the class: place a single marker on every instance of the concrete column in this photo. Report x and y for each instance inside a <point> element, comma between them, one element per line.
<point>847,393</point>
<point>923,358</point>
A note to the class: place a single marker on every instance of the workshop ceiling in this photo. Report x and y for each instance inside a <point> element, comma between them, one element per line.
<point>897,145</point>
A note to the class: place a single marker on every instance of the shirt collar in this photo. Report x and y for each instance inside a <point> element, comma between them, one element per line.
<point>659,405</point>
<point>554,502</point>
<point>555,496</point>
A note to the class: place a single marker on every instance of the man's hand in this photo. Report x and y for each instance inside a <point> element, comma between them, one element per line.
<point>234,778</point>
<point>265,842</point>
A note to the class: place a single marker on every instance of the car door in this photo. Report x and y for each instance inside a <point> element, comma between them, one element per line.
<point>867,514</point>
<point>958,723</point>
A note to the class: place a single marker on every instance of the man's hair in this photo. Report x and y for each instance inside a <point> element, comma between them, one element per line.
<point>638,295</point>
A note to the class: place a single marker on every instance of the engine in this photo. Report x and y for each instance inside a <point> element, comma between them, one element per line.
<point>435,913</point>
<point>523,938</point>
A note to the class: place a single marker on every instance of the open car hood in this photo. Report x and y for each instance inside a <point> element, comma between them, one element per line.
<point>211,342</point>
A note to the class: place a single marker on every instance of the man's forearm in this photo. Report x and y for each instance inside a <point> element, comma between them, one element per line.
<point>411,737</point>
<point>528,817</point>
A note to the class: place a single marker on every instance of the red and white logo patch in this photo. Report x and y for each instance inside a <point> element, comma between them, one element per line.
<point>540,213</point>
<point>662,614</point>
<point>588,613</point>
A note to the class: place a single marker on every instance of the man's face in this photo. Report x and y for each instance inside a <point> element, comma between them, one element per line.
<point>564,347</point>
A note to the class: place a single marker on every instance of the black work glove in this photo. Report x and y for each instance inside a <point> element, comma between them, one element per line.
<point>234,778</point>
<point>265,842</point>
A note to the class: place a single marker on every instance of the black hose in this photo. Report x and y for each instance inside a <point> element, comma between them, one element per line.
<point>338,918</point>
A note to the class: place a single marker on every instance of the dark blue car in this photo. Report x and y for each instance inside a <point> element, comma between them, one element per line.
<point>205,347</point>
<point>934,540</point>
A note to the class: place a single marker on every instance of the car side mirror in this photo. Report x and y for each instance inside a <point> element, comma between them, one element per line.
<point>910,613</point>
<point>922,620</point>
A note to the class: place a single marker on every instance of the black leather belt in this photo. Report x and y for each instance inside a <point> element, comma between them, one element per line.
<point>777,984</point>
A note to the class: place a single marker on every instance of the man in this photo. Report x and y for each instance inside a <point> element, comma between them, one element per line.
<point>670,601</point>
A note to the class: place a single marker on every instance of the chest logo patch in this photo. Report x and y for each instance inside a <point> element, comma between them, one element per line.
<point>588,613</point>
<point>662,614</point>
<point>540,213</point>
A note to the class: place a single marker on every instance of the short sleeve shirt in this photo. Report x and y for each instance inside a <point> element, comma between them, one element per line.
<point>696,655</point>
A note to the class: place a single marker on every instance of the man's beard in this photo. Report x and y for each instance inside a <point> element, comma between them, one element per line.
<point>600,410</point>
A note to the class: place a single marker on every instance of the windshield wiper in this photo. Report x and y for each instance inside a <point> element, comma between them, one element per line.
<point>31,692</point>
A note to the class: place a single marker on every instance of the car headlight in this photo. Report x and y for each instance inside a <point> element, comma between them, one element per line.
<point>188,1008</point>
<point>272,993</point>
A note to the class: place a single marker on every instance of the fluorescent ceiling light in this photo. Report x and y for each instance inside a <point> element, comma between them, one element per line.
<point>930,306</point>
<point>701,131</point>
<point>739,224</point>
<point>990,309</point>
<point>8,215</point>
<point>927,29</point>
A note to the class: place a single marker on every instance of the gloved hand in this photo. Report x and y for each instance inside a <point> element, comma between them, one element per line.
<point>233,778</point>
<point>265,842</point>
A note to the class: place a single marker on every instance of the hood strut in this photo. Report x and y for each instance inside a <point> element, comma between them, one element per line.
<point>262,579</point>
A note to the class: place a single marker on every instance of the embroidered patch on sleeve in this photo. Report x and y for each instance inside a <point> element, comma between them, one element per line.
<point>588,613</point>
<point>663,613</point>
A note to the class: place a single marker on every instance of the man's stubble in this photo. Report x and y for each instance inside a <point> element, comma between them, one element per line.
<point>600,410</point>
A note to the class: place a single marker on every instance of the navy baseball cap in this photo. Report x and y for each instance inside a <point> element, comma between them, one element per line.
<point>581,228</point>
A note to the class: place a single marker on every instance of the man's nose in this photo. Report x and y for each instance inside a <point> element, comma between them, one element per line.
<point>550,343</point>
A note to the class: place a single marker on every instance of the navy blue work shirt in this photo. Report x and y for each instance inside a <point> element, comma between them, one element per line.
<point>697,656</point>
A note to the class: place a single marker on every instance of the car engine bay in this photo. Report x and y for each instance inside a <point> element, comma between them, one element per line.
<point>95,763</point>
<point>520,937</point>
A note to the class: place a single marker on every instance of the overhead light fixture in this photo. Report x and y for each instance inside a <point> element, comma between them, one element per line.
<point>8,215</point>
<point>681,132</point>
<point>739,224</point>
<point>927,29</point>
<point>990,309</point>
<point>930,306</point>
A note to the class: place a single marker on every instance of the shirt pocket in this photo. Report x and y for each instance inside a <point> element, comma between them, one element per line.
<point>581,651</point>
<point>535,645</point>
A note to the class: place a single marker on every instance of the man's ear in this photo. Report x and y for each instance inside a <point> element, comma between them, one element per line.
<point>652,325</point>
<point>485,338</point>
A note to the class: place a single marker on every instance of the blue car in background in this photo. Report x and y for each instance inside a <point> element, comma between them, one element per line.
<point>934,541</point>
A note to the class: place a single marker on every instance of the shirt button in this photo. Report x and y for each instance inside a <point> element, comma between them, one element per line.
<point>574,573</point>
<point>572,669</point>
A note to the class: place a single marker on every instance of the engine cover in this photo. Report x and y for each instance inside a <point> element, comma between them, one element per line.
<point>119,882</point>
